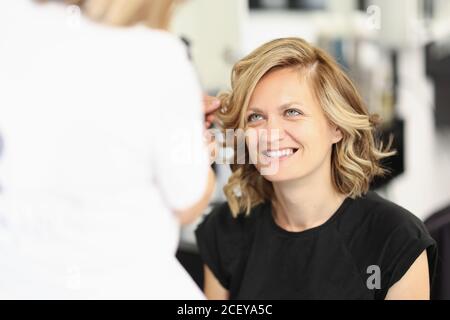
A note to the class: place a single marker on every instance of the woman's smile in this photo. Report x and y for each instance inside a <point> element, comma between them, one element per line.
<point>279,154</point>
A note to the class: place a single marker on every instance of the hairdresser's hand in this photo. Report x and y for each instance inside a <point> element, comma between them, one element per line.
<point>211,104</point>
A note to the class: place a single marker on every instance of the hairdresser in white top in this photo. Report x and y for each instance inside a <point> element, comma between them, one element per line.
<point>103,151</point>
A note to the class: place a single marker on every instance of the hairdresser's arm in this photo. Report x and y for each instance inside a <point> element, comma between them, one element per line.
<point>212,288</point>
<point>189,215</point>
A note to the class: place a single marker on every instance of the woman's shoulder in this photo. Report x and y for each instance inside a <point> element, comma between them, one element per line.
<point>228,230</point>
<point>157,42</point>
<point>134,40</point>
<point>374,225</point>
<point>154,46</point>
<point>383,214</point>
<point>388,234</point>
<point>222,219</point>
<point>222,239</point>
<point>383,230</point>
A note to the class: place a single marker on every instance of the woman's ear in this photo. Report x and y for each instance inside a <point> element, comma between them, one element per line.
<point>336,134</point>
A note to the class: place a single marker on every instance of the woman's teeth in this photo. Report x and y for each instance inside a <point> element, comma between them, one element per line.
<point>278,153</point>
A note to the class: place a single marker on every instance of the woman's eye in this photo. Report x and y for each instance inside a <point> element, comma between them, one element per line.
<point>254,117</point>
<point>293,113</point>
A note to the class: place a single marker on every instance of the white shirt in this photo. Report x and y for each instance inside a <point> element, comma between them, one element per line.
<point>102,131</point>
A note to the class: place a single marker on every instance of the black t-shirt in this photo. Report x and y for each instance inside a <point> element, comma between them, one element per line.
<point>366,238</point>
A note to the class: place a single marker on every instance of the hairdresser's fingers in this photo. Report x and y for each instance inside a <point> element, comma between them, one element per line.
<point>211,104</point>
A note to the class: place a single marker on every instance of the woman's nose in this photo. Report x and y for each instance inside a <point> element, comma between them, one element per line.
<point>274,130</point>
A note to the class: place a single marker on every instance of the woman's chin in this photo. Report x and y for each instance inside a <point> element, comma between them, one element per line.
<point>279,176</point>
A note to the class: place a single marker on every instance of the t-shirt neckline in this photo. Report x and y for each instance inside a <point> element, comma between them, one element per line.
<point>274,226</point>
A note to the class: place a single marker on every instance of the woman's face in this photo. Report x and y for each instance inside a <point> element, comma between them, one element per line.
<point>292,138</point>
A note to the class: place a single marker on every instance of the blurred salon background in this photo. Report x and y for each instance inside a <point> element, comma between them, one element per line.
<point>398,53</point>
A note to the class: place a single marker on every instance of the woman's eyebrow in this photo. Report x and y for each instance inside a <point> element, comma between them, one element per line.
<point>255,110</point>
<point>283,106</point>
<point>289,104</point>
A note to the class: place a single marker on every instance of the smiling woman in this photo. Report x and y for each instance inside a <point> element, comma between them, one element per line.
<point>324,87</point>
<point>310,228</point>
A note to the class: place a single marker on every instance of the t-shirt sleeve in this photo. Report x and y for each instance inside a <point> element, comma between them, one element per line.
<point>403,246</point>
<point>218,242</point>
<point>181,161</point>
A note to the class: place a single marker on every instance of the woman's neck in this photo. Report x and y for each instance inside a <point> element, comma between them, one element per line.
<point>305,203</point>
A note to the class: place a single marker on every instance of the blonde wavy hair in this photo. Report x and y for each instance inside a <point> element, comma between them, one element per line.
<point>153,13</point>
<point>355,159</point>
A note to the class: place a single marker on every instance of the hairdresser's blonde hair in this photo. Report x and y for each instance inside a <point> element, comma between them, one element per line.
<point>355,159</point>
<point>153,13</point>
